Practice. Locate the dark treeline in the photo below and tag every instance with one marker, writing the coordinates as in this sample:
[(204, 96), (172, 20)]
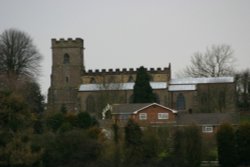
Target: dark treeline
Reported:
[(29, 139), (64, 139)]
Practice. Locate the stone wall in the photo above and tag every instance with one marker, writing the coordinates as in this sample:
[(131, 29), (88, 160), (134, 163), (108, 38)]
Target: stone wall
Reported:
[(209, 97), (123, 75)]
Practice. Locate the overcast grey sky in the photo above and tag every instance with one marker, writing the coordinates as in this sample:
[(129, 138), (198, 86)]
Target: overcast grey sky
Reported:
[(130, 33)]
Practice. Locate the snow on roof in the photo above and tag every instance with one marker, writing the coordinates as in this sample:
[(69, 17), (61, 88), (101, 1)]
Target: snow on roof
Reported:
[(118, 86), (158, 85), (181, 87), (183, 81)]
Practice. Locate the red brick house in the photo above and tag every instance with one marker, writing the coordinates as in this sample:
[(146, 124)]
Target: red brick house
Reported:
[(147, 114), (154, 115)]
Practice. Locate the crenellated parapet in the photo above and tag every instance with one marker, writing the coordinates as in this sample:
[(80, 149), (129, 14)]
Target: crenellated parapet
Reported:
[(118, 71), (64, 43)]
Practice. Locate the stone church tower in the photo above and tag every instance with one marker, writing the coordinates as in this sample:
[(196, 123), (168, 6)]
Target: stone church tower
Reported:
[(67, 67)]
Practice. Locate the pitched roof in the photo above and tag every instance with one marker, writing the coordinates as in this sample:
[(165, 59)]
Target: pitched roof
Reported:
[(207, 118), (127, 108), (189, 84), (134, 108)]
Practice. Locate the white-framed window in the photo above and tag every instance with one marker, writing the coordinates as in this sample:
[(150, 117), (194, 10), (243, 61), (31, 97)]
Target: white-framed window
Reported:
[(162, 115), (207, 129), (143, 116)]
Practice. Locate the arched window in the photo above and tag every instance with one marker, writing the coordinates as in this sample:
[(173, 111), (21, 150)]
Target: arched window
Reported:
[(180, 103), (90, 104), (66, 58)]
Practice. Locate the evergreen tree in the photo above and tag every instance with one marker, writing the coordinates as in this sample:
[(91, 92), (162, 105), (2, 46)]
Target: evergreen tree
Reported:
[(226, 146), (142, 92)]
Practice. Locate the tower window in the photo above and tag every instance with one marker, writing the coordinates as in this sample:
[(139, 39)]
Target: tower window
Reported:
[(66, 58), (67, 79)]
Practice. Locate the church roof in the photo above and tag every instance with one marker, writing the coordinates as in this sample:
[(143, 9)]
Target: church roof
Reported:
[(189, 84), (182, 81), (181, 84), (118, 86)]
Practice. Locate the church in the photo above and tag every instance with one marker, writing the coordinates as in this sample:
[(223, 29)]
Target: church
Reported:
[(79, 89)]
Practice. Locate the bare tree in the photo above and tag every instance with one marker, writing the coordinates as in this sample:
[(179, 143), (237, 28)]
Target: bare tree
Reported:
[(19, 58), (217, 61)]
